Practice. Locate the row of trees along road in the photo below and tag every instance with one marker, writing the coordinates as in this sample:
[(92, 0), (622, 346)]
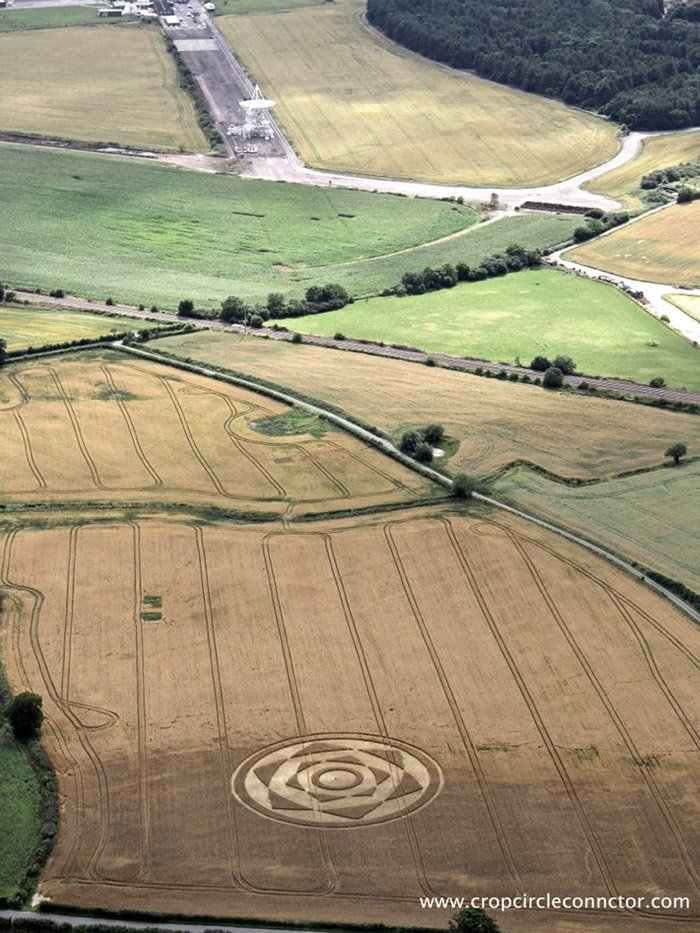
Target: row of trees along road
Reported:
[(632, 60)]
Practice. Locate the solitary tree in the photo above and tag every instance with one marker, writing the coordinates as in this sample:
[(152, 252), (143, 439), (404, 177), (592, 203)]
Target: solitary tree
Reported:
[(25, 715), (472, 920), (463, 486), (434, 433), (565, 364), (2, 291), (540, 364), (553, 378), (186, 307), (676, 451), (409, 441)]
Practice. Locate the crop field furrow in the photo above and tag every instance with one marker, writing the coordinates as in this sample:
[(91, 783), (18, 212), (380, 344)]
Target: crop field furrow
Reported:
[(612, 711), (234, 414), (82, 67), (490, 678), (657, 673), (373, 695), (467, 740), (353, 101), (330, 881), (76, 428), (157, 481), (599, 744), (96, 426), (216, 682), (595, 848)]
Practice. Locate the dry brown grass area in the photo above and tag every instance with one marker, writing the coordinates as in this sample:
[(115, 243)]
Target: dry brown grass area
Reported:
[(328, 722), (96, 428), (495, 422)]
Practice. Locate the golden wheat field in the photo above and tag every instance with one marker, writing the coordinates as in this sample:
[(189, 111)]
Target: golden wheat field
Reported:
[(330, 721), (662, 247), (351, 100), (96, 83), (688, 303), (100, 427), (658, 152), (494, 423)]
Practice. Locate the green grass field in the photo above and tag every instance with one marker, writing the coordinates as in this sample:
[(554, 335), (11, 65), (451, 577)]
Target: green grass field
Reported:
[(30, 326), (653, 518), (97, 84), (658, 152), (147, 233), (353, 101), (19, 817), (661, 247), (519, 316), (50, 18)]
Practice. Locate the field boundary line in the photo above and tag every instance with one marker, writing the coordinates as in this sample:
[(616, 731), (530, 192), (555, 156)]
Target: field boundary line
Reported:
[(467, 364)]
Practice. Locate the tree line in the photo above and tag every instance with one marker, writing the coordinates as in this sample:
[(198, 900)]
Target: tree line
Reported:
[(627, 59)]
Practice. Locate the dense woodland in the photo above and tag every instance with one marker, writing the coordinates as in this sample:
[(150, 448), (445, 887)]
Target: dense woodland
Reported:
[(624, 58)]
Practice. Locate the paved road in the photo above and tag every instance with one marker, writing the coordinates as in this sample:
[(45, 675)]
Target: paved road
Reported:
[(387, 447), (463, 364), (568, 192)]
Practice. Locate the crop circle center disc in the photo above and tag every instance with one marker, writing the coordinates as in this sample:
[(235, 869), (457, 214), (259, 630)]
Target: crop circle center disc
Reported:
[(337, 780)]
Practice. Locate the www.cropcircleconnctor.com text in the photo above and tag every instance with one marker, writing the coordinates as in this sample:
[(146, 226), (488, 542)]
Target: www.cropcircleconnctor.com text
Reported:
[(556, 902)]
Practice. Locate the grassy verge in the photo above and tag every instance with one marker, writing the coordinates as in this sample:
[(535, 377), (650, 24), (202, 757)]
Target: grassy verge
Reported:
[(28, 806), (651, 518), (51, 18), (494, 421), (32, 326), (662, 247), (657, 153)]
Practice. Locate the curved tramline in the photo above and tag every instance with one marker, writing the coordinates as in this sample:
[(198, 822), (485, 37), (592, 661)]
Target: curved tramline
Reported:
[(94, 428)]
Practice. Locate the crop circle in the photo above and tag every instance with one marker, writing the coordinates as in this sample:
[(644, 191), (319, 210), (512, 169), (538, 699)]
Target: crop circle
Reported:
[(337, 780)]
